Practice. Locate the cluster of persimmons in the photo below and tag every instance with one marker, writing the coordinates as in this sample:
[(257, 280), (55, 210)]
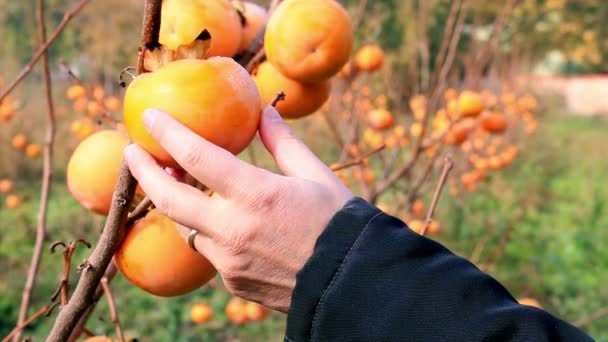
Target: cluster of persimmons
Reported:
[(21, 144), (194, 76)]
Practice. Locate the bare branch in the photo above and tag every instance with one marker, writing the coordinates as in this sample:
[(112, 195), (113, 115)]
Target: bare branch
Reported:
[(448, 164), (42, 50), (47, 175), (112, 307), (46, 310), (593, 317), (114, 230), (357, 161)]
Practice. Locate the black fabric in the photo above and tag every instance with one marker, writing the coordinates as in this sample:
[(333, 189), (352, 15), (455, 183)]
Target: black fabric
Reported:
[(371, 278)]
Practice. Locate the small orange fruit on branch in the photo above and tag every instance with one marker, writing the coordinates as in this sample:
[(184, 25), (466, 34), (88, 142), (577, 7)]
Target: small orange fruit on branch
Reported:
[(183, 20), (301, 98), (201, 313), (92, 170), (309, 40), (470, 103), (154, 257), (369, 58), (216, 98)]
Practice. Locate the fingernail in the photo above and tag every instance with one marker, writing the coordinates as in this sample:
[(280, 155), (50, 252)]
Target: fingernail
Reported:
[(128, 152), (150, 116), (272, 114)]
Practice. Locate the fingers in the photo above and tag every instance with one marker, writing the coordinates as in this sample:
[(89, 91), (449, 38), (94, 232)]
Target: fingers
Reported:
[(292, 156), (213, 166), (180, 202)]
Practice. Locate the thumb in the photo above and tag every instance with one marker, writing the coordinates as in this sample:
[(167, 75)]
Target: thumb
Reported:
[(292, 156)]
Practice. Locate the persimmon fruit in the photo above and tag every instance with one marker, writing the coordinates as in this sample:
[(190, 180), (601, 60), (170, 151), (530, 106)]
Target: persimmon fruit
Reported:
[(470, 103), (529, 302), (201, 313), (154, 257), (369, 58), (493, 122), (33, 151), (309, 40), (236, 310), (301, 99), (255, 17), (13, 201), (182, 21), (216, 98), (6, 186), (256, 312), (380, 119), (19, 141), (93, 168)]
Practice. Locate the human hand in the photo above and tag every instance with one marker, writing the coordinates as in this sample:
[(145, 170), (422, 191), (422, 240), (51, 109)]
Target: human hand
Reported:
[(260, 228)]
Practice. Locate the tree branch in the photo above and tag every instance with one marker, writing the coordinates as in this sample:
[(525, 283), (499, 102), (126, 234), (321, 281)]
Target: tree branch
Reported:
[(448, 164), (47, 175), (42, 50), (114, 229), (112, 307)]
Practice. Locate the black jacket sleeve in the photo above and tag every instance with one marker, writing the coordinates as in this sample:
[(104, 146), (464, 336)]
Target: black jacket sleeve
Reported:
[(372, 279)]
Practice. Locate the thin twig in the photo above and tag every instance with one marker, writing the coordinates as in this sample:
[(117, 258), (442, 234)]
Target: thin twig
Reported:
[(112, 307), (42, 50), (64, 285), (114, 229), (357, 161), (47, 175), (448, 163), (593, 317), (478, 249), (105, 112), (46, 310), (140, 210)]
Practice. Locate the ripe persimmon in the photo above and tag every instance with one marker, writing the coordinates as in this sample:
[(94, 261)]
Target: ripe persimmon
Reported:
[(13, 201), (380, 119), (301, 99), (530, 302), (417, 207), (216, 98), (201, 313), (182, 21), (493, 122), (6, 186), (235, 310), (470, 103), (369, 58), (416, 225), (255, 311), (75, 91), (255, 17), (112, 103), (7, 110), (33, 150), (93, 168), (457, 134), (309, 40), (19, 141), (143, 258)]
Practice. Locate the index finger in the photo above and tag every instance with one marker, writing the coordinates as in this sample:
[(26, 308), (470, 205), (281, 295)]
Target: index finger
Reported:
[(210, 164)]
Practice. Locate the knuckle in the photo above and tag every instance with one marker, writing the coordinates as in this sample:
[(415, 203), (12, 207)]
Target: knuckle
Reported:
[(163, 204), (236, 245), (266, 199), (191, 158)]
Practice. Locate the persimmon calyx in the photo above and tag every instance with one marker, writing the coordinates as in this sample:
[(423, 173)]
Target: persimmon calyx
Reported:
[(199, 49)]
